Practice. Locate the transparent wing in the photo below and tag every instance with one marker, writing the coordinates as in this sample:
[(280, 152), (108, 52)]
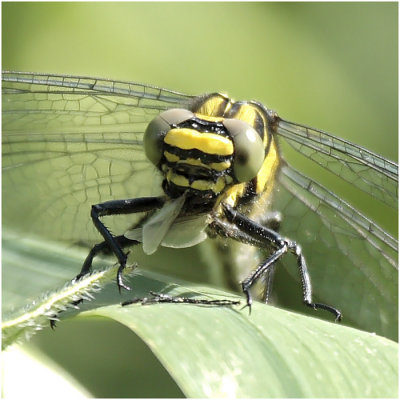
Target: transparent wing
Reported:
[(69, 142), (352, 261), (369, 172), (337, 214)]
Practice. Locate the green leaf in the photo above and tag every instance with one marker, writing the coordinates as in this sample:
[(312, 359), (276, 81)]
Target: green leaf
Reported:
[(225, 352)]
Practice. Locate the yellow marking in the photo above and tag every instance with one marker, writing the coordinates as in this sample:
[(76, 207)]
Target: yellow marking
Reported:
[(215, 166), (210, 143), (212, 107), (202, 184), (231, 196), (218, 187), (247, 113), (171, 157), (267, 173), (199, 184), (221, 166), (178, 180), (265, 182)]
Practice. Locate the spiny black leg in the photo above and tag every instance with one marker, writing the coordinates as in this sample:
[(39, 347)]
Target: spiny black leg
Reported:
[(231, 230), (87, 265), (103, 248), (132, 301), (165, 298), (99, 210), (306, 284), (111, 243), (269, 237), (259, 271), (263, 267), (228, 229)]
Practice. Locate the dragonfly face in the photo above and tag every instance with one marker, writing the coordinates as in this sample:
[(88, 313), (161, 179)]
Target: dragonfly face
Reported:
[(209, 155), (70, 142)]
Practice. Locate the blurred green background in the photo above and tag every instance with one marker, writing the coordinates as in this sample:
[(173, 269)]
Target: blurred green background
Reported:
[(329, 65)]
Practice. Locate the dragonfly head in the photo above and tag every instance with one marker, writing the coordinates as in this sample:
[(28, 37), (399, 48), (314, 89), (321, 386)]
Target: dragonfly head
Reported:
[(202, 154)]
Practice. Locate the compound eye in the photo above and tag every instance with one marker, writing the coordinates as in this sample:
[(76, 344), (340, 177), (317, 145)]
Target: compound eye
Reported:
[(157, 129), (249, 149)]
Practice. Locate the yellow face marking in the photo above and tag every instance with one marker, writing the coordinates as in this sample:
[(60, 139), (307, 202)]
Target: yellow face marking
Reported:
[(203, 185), (199, 184), (171, 157), (210, 143), (178, 180), (219, 185), (221, 166), (215, 166)]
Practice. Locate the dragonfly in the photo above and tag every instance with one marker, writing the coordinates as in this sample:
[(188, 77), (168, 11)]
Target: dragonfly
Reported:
[(76, 149)]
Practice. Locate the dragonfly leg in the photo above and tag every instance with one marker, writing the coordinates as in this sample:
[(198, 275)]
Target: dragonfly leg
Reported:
[(165, 298), (306, 283), (261, 269), (103, 247), (231, 230), (116, 243), (268, 237), (271, 220), (227, 229)]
